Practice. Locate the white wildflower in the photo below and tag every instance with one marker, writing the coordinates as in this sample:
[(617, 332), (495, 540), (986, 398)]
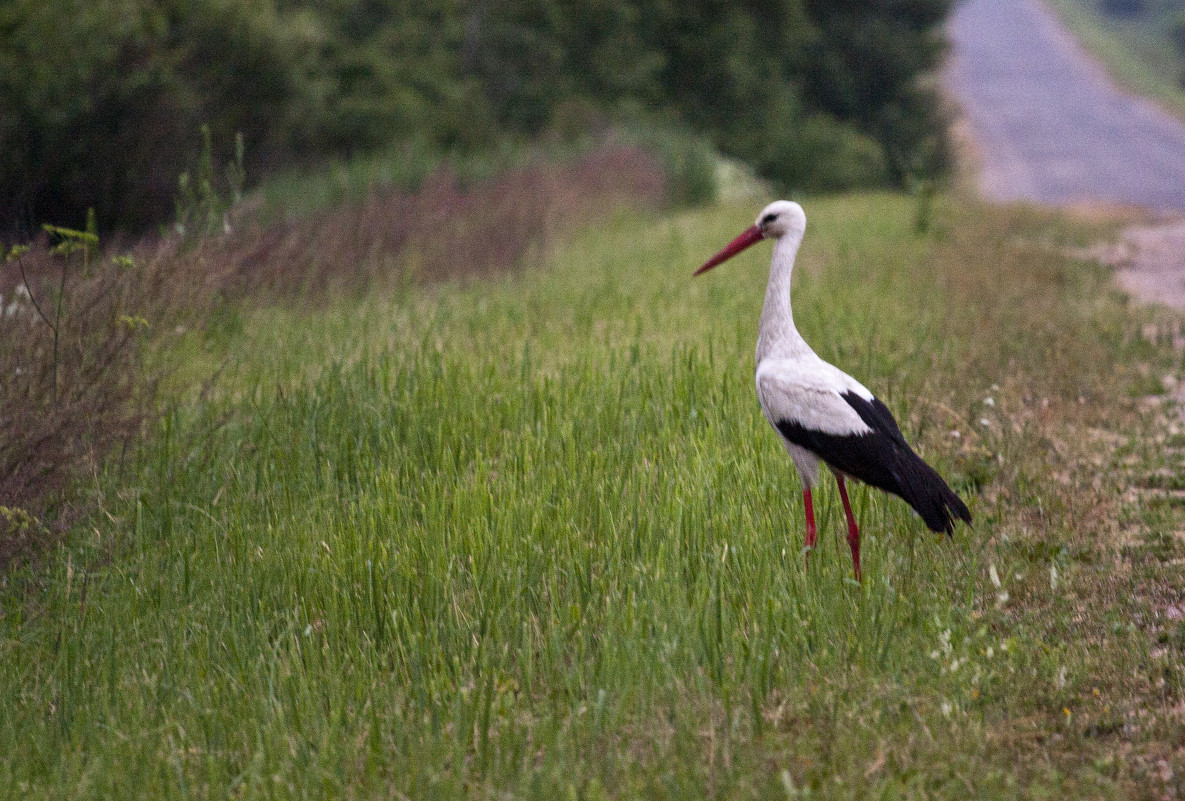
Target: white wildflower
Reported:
[(946, 709), (989, 401), (788, 785), (995, 577), (1061, 678), (1053, 577)]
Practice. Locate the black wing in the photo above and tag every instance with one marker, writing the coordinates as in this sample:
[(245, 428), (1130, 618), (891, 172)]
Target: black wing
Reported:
[(876, 416), (883, 459)]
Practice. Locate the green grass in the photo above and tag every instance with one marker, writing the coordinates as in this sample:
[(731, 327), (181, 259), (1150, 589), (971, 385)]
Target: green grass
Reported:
[(1136, 52), (532, 538)]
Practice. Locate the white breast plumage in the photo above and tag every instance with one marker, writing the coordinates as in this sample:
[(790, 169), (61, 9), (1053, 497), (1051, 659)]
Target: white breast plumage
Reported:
[(809, 392)]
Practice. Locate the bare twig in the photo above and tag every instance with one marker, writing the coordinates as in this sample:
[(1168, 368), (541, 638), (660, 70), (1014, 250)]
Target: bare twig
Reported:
[(58, 321), (29, 288)]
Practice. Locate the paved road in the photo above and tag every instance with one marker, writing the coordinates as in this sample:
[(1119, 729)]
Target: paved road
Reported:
[(1049, 125)]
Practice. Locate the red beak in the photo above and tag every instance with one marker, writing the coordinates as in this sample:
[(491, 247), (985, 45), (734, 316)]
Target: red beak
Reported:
[(749, 236)]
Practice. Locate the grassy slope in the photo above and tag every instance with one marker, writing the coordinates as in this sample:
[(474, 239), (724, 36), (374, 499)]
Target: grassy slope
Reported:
[(534, 537), (1136, 53)]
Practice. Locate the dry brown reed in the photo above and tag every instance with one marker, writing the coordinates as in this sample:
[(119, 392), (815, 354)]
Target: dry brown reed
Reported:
[(442, 231)]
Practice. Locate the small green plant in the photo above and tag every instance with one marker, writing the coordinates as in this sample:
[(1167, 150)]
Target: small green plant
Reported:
[(20, 522), (924, 192), (201, 209), (72, 388), (66, 242)]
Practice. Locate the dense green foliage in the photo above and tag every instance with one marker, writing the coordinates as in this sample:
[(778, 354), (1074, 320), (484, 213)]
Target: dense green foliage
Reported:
[(103, 101)]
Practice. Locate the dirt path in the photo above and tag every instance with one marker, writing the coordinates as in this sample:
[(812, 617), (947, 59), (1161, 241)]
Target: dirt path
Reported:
[(1149, 262), (1049, 126)]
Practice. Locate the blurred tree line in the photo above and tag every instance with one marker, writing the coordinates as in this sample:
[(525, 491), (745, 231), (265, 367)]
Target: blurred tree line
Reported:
[(102, 101)]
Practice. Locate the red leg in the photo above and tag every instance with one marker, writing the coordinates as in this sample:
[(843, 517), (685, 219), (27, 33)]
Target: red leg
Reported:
[(853, 529), (810, 520)]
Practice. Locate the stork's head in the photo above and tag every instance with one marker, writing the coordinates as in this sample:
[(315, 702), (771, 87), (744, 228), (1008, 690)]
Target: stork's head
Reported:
[(779, 219), (782, 218)]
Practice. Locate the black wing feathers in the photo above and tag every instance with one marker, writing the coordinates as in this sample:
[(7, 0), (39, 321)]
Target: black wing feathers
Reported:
[(876, 416), (873, 458), (883, 459)]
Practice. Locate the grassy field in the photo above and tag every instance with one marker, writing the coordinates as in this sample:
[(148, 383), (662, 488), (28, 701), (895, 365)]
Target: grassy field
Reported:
[(1136, 51), (532, 538)]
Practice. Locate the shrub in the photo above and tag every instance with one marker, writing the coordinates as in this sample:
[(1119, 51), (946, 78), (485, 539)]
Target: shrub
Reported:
[(687, 159), (69, 324), (826, 155)]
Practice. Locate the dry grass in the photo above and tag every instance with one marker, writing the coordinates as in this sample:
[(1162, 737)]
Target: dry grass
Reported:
[(440, 232)]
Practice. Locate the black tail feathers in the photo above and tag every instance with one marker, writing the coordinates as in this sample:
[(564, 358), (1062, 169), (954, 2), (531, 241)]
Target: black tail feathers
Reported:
[(934, 501)]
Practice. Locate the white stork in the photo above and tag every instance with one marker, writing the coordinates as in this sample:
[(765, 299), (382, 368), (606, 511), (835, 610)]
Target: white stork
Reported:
[(821, 412)]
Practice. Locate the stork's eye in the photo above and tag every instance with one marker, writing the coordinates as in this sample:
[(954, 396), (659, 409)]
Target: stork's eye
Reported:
[(767, 219)]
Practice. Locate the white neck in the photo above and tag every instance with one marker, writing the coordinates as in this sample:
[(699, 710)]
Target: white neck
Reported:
[(777, 337)]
